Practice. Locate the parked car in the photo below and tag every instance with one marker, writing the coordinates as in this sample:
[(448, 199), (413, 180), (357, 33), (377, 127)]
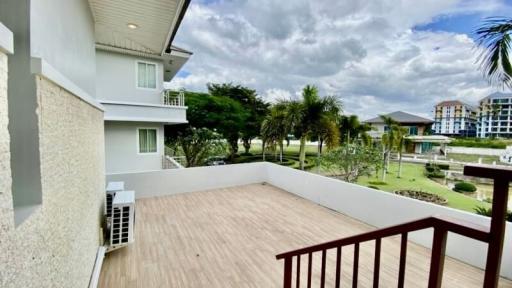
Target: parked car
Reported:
[(215, 161)]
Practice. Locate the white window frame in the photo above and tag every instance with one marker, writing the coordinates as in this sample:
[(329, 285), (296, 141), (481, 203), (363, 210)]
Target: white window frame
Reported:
[(138, 140), (137, 75)]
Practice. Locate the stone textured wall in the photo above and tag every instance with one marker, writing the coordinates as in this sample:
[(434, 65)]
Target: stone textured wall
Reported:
[(56, 246)]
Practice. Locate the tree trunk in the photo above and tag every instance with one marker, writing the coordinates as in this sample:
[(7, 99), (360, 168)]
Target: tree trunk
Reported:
[(302, 152), (384, 168), (247, 144), (263, 149), (400, 165), (281, 151)]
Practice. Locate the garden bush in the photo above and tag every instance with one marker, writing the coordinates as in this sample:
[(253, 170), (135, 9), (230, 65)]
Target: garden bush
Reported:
[(430, 168), (437, 166), (464, 187), (488, 212), (423, 196), (435, 174)]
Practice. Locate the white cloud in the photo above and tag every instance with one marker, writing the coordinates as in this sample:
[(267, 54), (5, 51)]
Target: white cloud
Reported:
[(365, 52)]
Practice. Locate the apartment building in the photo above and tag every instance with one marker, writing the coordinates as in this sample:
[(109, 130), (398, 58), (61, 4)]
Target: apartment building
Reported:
[(495, 116), (455, 118)]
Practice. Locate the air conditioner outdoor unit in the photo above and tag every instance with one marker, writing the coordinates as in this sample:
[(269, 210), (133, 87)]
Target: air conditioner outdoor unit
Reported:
[(112, 188), (122, 220)]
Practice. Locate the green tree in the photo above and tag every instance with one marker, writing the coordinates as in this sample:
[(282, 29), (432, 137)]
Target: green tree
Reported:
[(352, 161), (254, 107), (308, 115), (197, 144), (351, 128), (219, 113), (494, 39)]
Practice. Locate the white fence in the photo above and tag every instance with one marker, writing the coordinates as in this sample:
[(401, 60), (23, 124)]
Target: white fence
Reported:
[(474, 151), (373, 207)]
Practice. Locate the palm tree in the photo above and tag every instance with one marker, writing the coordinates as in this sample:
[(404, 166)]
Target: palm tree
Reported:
[(494, 38), (388, 142), (275, 128), (312, 115)]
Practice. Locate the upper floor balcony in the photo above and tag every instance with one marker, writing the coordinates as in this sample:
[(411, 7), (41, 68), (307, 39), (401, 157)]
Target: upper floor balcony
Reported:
[(171, 109)]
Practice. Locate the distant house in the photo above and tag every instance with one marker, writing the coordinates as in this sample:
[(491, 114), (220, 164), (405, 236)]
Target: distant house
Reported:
[(416, 125), (455, 118)]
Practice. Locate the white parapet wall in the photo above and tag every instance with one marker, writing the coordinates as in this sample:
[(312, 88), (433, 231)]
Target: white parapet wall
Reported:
[(174, 181), (376, 208)]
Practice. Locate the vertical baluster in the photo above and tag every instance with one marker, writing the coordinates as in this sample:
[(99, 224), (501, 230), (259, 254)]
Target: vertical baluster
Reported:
[(298, 271), (338, 267), (437, 259), (310, 267), (403, 258), (287, 281), (497, 232), (376, 264), (322, 273), (356, 265)]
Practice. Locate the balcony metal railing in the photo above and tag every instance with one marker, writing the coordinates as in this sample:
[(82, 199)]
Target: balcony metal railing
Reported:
[(173, 162), (493, 236), (173, 98)]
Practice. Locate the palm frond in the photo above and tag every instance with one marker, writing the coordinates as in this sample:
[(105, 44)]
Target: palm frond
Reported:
[(494, 62)]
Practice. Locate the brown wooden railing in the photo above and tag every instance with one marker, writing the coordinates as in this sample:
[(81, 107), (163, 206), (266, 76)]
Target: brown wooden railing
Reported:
[(441, 225)]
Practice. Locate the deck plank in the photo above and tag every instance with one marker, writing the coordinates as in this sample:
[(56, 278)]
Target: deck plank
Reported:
[(229, 238)]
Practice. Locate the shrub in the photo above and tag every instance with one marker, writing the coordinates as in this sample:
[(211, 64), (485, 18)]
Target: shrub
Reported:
[(435, 174), (377, 183), (423, 196), (488, 212), (437, 166), (373, 187), (464, 187), (430, 169)]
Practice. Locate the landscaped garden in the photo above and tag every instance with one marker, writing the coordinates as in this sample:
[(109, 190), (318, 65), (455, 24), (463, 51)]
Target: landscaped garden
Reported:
[(413, 178)]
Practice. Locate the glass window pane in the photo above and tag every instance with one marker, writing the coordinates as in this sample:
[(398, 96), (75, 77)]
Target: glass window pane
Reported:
[(143, 139), (141, 74), (152, 140), (151, 75)]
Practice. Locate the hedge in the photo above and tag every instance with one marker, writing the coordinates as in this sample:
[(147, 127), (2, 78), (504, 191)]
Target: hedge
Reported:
[(464, 187)]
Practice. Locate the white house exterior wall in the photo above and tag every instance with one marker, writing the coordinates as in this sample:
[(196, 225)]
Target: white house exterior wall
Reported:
[(116, 79), (121, 147)]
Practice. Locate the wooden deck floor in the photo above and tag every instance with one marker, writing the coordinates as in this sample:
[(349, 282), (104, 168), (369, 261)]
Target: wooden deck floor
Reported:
[(229, 238)]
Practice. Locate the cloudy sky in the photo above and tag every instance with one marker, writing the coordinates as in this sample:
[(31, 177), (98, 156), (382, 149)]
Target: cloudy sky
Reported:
[(378, 56)]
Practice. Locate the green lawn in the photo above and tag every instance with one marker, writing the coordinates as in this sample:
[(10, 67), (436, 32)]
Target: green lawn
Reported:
[(292, 149), (413, 178)]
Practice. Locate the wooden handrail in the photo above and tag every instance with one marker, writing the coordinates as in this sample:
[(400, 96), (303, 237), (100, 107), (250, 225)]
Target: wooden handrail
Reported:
[(457, 226), (442, 225)]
